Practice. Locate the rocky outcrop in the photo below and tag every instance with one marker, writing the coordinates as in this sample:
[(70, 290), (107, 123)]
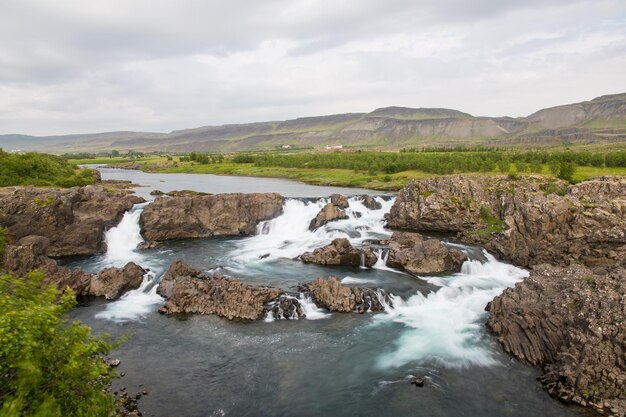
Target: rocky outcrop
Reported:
[(201, 216), (339, 201), (327, 214), (189, 291), (570, 321), (30, 255), (410, 251), (177, 269), (370, 202), (74, 220), (111, 283), (331, 294), (527, 221), (340, 252)]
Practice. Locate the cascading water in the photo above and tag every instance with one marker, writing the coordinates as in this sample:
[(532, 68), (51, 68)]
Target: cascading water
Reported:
[(123, 239), (288, 235), (445, 326), (122, 242), (310, 310)]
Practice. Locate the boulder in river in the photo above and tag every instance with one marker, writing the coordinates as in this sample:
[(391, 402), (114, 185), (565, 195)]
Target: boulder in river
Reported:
[(339, 201), (111, 283), (331, 294), (370, 202), (327, 214), (410, 251), (199, 216), (74, 220), (340, 252)]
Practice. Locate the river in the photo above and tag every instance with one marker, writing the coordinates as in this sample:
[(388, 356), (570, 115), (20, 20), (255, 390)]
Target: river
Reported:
[(328, 364)]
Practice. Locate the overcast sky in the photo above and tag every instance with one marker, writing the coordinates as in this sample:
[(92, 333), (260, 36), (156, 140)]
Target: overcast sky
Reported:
[(157, 65)]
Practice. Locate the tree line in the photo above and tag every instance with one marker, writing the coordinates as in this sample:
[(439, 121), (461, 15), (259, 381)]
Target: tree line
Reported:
[(438, 163)]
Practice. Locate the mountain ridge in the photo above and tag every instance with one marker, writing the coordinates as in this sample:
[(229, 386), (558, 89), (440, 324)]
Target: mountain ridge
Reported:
[(600, 120)]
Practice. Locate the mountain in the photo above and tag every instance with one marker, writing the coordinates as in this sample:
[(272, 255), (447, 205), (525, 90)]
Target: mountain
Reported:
[(600, 120)]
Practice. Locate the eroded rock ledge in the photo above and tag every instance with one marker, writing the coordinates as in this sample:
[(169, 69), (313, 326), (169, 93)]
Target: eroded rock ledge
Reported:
[(199, 216), (571, 322), (190, 291), (74, 220), (30, 255), (525, 221)]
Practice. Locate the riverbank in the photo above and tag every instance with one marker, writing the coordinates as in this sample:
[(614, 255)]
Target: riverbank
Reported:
[(373, 178)]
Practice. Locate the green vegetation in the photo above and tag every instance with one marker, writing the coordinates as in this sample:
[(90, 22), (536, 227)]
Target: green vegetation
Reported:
[(48, 366), (40, 170), (389, 170), (494, 224)]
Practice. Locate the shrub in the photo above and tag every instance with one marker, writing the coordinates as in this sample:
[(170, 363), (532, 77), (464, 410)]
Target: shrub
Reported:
[(48, 366)]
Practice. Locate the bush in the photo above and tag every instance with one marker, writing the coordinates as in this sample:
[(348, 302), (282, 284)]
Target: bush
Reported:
[(48, 366), (566, 171), (40, 170)]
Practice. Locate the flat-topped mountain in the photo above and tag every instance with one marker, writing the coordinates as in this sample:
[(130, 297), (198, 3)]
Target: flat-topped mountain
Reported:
[(600, 120)]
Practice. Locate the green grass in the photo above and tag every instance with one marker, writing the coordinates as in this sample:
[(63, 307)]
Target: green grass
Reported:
[(585, 173)]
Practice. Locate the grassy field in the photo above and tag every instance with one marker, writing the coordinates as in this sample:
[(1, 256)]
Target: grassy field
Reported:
[(375, 180)]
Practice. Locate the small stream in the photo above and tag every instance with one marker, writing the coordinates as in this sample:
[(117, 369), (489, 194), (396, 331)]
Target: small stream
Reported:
[(329, 364)]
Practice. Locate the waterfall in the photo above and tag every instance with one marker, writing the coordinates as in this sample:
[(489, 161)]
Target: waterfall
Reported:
[(288, 235), (381, 263), (310, 310), (446, 326), (122, 242)]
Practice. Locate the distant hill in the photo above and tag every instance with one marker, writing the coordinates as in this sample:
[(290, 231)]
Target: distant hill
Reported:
[(600, 120)]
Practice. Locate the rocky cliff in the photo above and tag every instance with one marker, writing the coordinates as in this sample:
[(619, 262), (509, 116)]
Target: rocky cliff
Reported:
[(186, 217), (525, 221), (569, 315), (74, 220)]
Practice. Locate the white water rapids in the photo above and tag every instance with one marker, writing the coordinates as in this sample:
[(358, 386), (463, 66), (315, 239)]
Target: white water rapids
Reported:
[(443, 326)]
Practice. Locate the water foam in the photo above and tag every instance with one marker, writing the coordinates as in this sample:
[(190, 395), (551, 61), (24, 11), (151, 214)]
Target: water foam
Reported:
[(288, 235), (122, 242), (446, 326)]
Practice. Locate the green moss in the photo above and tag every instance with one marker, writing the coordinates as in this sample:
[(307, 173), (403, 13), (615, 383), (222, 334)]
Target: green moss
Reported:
[(493, 224), (44, 202)]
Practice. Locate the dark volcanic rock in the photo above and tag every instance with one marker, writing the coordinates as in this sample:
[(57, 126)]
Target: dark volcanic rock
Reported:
[(415, 254), (522, 220), (200, 216), (340, 252), (331, 294), (177, 269), (339, 201), (74, 220), (371, 203), (327, 214), (29, 255), (286, 307), (111, 283), (570, 321), (229, 298)]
